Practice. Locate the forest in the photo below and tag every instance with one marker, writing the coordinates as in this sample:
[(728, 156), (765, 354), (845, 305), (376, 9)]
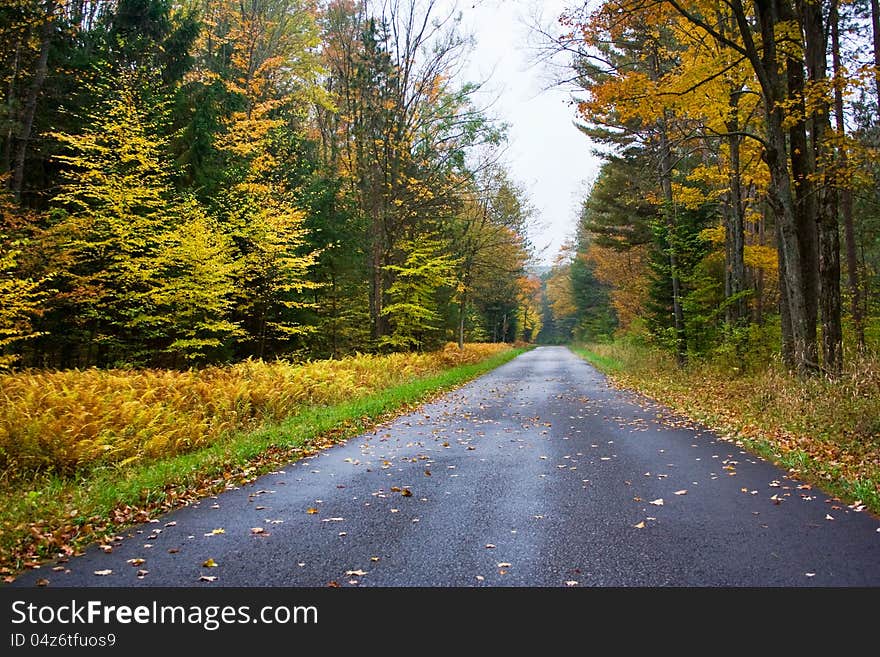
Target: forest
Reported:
[(735, 216), (200, 182), (234, 233)]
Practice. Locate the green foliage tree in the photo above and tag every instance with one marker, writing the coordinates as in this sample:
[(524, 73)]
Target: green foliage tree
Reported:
[(413, 309)]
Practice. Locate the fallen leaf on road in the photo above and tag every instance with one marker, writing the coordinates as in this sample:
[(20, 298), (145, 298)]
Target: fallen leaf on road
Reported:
[(571, 582), (810, 574), (828, 516), (136, 562), (358, 573), (406, 492), (504, 564), (42, 582), (210, 563), (374, 559), (395, 489), (257, 530), (681, 492), (640, 525), (214, 532), (333, 584), (171, 524), (142, 573), (490, 546), (480, 578), (102, 573), (173, 550), (208, 578), (657, 502), (311, 511)]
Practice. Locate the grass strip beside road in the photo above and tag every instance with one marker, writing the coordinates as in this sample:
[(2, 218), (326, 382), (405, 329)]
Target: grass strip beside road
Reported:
[(823, 431), (59, 515)]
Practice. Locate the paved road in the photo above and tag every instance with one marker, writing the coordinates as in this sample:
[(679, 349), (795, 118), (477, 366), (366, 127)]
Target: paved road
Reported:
[(537, 474)]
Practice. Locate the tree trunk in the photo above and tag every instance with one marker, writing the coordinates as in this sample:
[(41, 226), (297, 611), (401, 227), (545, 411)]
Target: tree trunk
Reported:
[(462, 308), (824, 189), (875, 31), (805, 210), (377, 281), (735, 268), (842, 178), (665, 174), (30, 106)]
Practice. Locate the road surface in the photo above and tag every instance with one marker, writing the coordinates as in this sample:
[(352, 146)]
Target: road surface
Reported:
[(536, 474)]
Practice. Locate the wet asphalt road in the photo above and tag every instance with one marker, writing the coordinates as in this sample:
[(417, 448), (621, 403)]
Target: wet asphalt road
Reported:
[(537, 474)]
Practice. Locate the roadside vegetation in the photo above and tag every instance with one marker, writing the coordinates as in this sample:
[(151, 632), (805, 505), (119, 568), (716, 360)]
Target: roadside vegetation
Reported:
[(825, 430), (86, 452)]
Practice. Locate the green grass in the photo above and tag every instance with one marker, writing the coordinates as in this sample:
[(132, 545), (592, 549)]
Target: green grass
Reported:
[(607, 364), (57, 515)]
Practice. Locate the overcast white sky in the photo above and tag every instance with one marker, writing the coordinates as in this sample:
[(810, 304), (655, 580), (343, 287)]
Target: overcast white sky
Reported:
[(547, 155)]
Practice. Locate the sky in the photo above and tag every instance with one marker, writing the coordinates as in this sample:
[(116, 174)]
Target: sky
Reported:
[(546, 154)]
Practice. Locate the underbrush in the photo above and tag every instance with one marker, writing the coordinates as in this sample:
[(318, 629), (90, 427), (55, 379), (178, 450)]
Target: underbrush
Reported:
[(824, 429)]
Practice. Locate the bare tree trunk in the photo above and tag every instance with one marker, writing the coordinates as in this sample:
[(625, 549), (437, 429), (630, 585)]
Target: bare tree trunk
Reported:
[(30, 106), (735, 268), (462, 308), (844, 191), (10, 111), (825, 191), (805, 215), (875, 30), (669, 213)]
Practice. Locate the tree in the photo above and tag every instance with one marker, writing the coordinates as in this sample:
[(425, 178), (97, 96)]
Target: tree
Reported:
[(413, 311), (194, 295), (115, 201)]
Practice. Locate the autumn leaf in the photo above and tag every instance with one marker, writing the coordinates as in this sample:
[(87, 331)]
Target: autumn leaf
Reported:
[(681, 492), (311, 511), (142, 573), (504, 564), (828, 516), (490, 546), (358, 573), (395, 489), (257, 530), (640, 525), (214, 532), (210, 563), (406, 492), (136, 562), (42, 582), (103, 573), (571, 582), (657, 502), (207, 578), (374, 559)]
